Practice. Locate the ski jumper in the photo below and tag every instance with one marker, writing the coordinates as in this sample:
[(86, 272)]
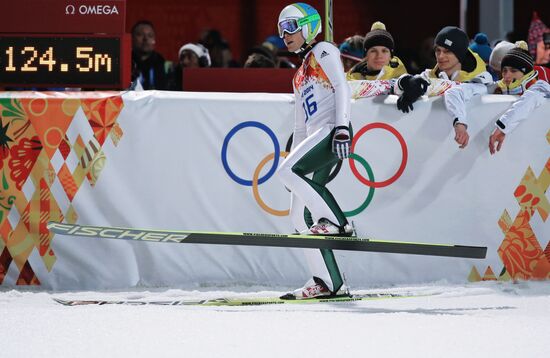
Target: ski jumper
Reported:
[(322, 103)]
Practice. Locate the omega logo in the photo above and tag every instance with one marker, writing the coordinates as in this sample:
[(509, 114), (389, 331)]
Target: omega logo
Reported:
[(92, 10)]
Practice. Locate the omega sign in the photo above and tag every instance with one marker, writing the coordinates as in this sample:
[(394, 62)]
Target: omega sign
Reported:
[(91, 10)]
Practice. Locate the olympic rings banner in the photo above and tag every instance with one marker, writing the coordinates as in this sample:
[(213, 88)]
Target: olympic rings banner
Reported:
[(207, 162)]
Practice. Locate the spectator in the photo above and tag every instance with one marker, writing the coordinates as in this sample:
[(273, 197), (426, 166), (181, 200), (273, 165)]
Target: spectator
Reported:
[(148, 66), (379, 62), (352, 51), (256, 60), (481, 46), (518, 78), (455, 62), (498, 53), (260, 56), (495, 59), (275, 44), (190, 55), (543, 51), (220, 53)]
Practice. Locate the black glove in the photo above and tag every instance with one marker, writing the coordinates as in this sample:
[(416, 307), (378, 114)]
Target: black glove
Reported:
[(413, 88)]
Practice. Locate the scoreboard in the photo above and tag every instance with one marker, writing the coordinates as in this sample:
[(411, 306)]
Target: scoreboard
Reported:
[(72, 44), (88, 61)]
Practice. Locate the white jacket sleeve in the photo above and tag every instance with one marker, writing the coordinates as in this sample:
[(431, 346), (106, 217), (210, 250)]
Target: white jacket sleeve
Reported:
[(457, 97), (524, 106), (332, 65), (300, 132)]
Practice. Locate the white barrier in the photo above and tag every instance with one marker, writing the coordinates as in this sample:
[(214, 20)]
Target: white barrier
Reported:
[(168, 172)]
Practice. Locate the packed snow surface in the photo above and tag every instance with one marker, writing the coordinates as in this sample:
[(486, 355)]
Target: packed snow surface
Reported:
[(487, 319)]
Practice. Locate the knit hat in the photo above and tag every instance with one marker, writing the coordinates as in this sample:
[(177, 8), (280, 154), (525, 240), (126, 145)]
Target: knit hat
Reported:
[(352, 48), (199, 50), (498, 53), (454, 39), (481, 46), (519, 58), (378, 36)]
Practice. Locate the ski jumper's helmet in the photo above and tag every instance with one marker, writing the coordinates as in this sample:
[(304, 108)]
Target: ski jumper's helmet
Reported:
[(300, 16)]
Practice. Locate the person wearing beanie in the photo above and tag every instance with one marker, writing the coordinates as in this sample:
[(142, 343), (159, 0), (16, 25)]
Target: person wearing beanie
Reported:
[(352, 51), (481, 46), (518, 77), (517, 70), (379, 62), (456, 63), (495, 59), (190, 55)]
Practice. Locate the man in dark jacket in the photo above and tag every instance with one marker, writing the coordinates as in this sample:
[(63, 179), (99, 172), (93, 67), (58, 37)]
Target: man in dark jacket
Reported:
[(148, 66)]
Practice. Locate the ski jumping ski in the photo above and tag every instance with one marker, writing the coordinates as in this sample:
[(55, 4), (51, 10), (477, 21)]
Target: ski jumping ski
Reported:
[(273, 240), (236, 301)]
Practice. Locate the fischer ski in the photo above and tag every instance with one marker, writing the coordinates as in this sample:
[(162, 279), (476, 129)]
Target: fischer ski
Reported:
[(225, 301), (274, 240)]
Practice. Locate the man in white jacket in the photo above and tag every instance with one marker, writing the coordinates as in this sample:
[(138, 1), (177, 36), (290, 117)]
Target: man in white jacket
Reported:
[(321, 138), (518, 78)]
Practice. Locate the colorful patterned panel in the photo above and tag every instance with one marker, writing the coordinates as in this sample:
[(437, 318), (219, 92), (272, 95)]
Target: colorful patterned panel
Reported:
[(530, 194), (520, 250), (33, 136), (102, 114)]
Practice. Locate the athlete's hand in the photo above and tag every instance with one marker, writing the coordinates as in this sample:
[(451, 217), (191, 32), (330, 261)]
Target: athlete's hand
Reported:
[(341, 142), (413, 88), (497, 138), (461, 135)]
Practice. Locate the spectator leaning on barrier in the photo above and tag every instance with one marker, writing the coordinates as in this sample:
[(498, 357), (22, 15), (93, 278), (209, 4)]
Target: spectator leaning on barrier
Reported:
[(498, 54), (518, 78), (379, 62), (148, 66), (352, 51), (190, 55), (455, 62)]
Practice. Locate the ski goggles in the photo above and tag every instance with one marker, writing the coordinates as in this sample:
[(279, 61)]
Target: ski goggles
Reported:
[(292, 26)]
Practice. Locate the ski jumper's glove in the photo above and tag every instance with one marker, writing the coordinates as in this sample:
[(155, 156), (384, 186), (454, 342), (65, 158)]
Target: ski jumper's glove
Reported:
[(413, 88), (341, 142)]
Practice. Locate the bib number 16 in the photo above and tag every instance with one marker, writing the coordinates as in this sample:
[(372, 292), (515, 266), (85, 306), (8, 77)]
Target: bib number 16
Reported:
[(310, 106)]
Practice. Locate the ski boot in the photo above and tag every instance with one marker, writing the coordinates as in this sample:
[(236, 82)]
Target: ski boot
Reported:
[(326, 227), (315, 288)]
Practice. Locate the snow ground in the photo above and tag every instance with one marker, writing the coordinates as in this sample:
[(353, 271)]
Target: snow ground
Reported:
[(487, 319)]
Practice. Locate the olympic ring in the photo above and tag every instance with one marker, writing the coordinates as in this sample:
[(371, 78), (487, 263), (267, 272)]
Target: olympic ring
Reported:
[(370, 195), (277, 154), (256, 192), (380, 184), (231, 133)]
